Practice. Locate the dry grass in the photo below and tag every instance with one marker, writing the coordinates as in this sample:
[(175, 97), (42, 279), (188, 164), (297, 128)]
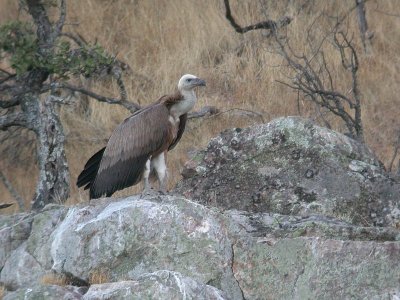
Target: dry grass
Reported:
[(54, 279), (98, 277), (163, 39), (2, 292)]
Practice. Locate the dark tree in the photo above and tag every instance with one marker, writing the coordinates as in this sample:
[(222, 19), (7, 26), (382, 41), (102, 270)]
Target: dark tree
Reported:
[(310, 75), (363, 25), (41, 60)]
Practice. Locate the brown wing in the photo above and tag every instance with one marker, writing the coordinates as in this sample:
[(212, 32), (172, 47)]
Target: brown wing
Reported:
[(181, 129), (170, 100), (129, 147)]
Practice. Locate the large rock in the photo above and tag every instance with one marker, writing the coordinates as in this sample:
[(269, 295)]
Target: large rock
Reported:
[(314, 258), (158, 285), (293, 167), (295, 240), (21, 269), (25, 246), (41, 237), (124, 239), (47, 292), (244, 255), (14, 230)]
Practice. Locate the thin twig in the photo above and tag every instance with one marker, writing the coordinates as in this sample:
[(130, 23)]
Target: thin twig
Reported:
[(395, 152), (269, 24), (9, 103), (247, 111), (60, 23), (12, 191), (76, 38), (205, 111), (387, 14), (6, 72), (13, 119), (5, 205)]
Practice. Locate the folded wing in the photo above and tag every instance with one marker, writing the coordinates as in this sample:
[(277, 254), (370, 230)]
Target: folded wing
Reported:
[(133, 142)]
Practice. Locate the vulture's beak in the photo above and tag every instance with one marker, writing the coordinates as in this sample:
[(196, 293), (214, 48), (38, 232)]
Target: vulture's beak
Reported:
[(199, 82)]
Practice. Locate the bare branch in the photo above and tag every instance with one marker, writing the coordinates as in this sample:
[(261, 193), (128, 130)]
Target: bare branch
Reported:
[(395, 152), (5, 205), (76, 38), (12, 191), (6, 72), (9, 103), (387, 14), (247, 112), (132, 107), (313, 79), (269, 24), (44, 29), (205, 111), (8, 77), (362, 24), (60, 23), (117, 74), (13, 119)]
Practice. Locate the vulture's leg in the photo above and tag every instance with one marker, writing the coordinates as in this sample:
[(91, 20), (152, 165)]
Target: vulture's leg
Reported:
[(146, 175), (161, 169)]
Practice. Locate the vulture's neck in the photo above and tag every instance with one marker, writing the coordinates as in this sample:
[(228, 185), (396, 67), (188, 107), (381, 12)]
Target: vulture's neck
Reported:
[(184, 105)]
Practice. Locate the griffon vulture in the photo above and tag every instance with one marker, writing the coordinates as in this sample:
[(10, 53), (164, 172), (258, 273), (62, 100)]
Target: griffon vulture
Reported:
[(140, 143)]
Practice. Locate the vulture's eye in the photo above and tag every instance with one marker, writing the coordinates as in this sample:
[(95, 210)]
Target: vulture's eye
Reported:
[(189, 80)]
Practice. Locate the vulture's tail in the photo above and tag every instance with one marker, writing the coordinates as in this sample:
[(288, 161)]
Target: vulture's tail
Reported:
[(87, 176)]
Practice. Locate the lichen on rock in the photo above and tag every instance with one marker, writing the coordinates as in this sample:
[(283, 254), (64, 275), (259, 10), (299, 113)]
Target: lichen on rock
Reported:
[(287, 209)]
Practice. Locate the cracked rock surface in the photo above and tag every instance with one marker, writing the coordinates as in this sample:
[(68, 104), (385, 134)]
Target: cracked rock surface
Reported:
[(175, 247), (291, 166), (171, 244)]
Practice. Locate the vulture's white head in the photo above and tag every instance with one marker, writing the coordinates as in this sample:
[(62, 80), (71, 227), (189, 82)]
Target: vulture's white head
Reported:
[(186, 86), (188, 82)]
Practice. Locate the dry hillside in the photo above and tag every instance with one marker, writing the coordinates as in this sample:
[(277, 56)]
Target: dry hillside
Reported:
[(163, 39)]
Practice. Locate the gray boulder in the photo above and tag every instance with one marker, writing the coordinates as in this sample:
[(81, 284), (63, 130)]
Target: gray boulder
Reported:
[(21, 269), (25, 247), (293, 167), (158, 285), (288, 257), (282, 244), (127, 238), (244, 255), (46, 292), (14, 230)]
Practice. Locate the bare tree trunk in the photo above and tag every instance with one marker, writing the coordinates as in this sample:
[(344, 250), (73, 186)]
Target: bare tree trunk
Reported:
[(53, 182), (363, 25)]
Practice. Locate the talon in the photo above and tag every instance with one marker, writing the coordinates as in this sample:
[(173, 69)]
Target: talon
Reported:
[(163, 192), (147, 192)]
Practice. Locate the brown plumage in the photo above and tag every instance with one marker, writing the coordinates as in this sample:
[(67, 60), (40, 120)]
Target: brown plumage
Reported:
[(144, 136)]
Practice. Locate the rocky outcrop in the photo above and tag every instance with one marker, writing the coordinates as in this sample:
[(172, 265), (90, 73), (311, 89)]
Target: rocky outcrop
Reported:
[(158, 285), (225, 255), (127, 238), (48, 292), (171, 247), (293, 167), (14, 230)]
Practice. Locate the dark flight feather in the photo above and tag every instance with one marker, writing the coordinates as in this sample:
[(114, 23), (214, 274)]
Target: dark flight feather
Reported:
[(90, 170)]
